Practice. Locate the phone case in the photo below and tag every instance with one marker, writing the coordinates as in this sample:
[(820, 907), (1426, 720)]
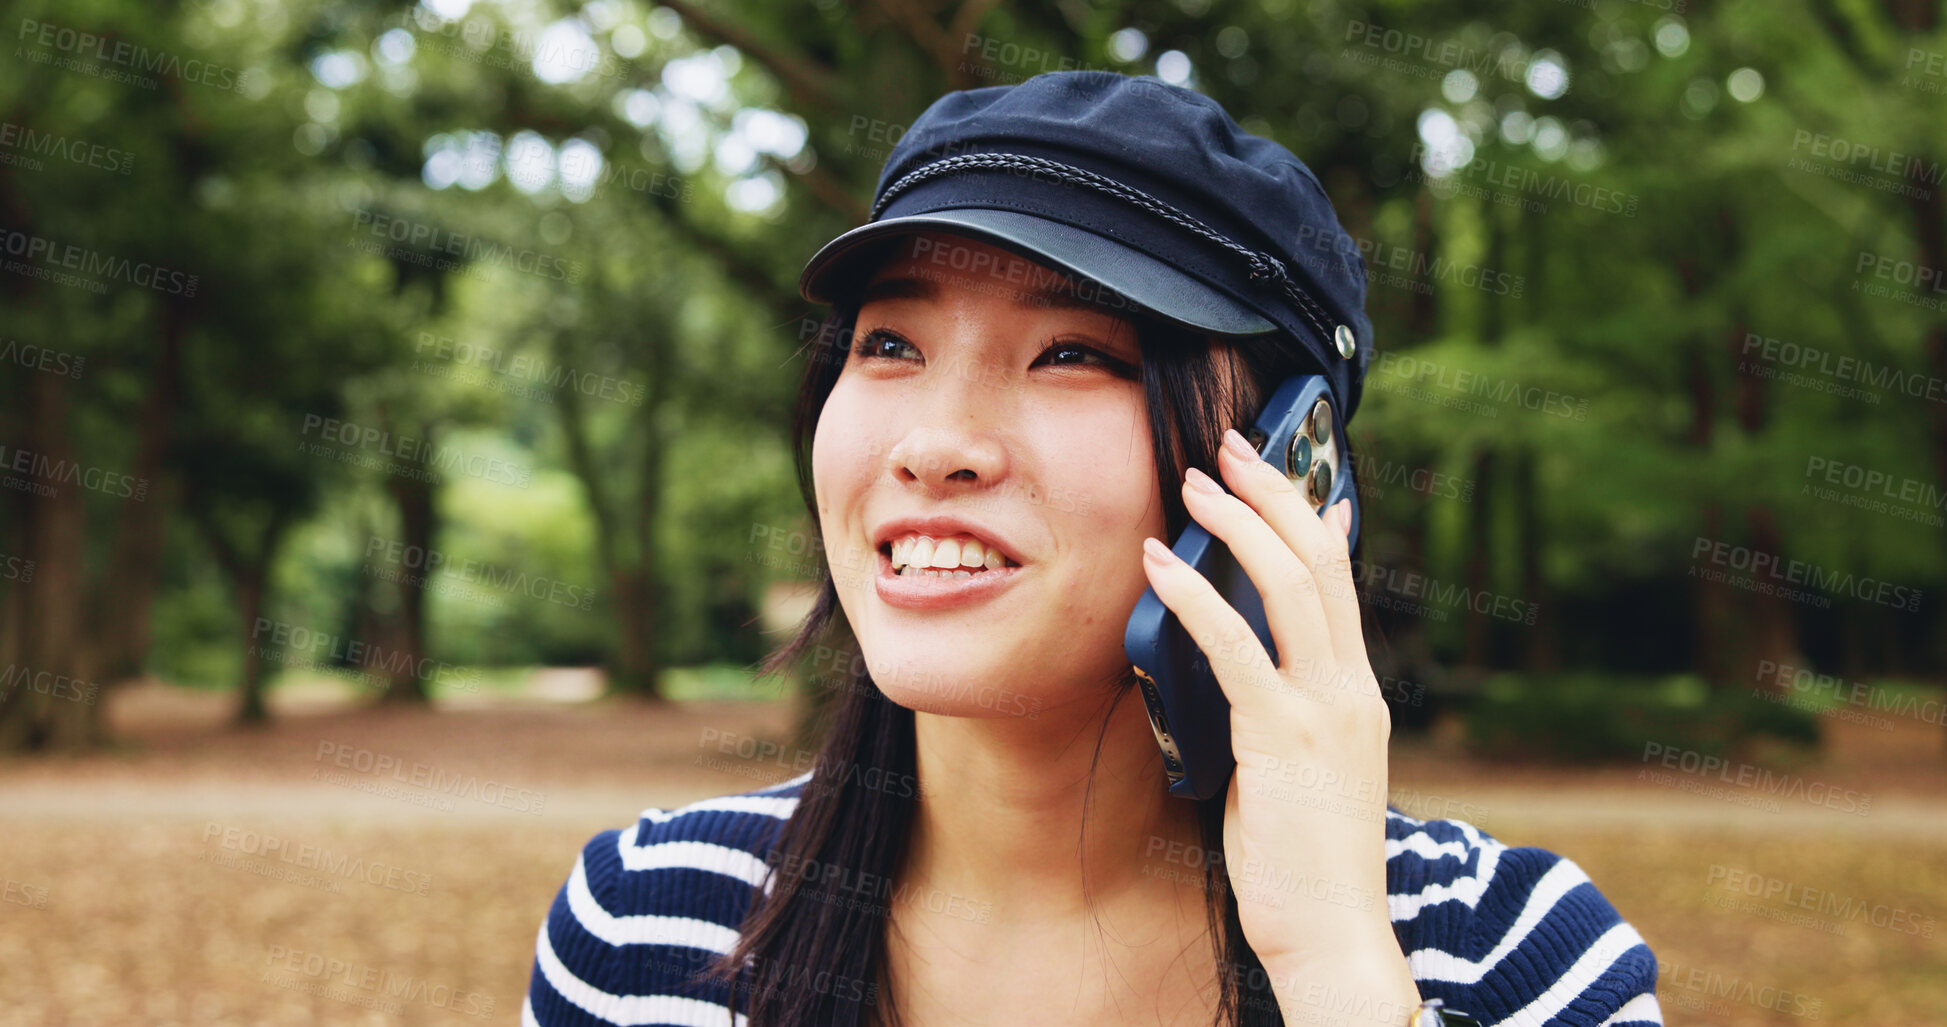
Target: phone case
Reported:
[(1186, 705)]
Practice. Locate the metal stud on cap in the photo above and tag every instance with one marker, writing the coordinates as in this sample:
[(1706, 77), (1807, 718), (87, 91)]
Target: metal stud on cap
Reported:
[(1347, 344)]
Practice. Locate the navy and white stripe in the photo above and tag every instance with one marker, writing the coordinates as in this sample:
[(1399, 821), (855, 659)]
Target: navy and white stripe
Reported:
[(1516, 936)]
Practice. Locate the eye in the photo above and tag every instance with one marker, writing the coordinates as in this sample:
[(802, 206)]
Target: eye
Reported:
[(1074, 354), (882, 342)]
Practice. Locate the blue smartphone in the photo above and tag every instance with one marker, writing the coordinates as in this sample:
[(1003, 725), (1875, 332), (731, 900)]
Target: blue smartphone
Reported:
[(1298, 433)]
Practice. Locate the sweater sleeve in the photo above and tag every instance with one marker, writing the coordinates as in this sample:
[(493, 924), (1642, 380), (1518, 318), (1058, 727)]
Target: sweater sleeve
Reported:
[(646, 909), (615, 949), (1514, 936)]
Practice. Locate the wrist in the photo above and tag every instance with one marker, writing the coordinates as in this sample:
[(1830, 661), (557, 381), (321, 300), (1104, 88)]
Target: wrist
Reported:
[(1345, 990)]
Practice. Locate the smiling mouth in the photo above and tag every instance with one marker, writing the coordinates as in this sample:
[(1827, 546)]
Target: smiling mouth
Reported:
[(923, 556), (908, 586)]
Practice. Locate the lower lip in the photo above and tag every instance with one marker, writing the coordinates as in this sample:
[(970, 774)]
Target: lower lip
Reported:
[(925, 592)]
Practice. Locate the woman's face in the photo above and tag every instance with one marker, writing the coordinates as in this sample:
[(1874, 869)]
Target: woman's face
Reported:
[(982, 402)]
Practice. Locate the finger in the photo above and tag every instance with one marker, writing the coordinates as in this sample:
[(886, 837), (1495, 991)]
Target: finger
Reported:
[(1319, 542), (1290, 593), (1242, 666)]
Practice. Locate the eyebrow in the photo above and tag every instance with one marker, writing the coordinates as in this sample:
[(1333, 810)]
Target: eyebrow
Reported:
[(916, 286)]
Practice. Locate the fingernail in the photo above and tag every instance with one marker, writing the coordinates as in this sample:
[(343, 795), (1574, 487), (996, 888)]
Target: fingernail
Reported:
[(1238, 445), (1157, 551), (1343, 511), (1201, 482)]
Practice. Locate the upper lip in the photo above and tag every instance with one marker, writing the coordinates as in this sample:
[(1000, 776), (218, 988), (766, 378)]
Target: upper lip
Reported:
[(940, 526)]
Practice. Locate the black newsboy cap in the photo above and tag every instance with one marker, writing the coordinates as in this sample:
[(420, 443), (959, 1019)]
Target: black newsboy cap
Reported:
[(1147, 188)]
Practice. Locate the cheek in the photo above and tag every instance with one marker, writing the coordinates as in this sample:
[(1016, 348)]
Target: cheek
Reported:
[(1107, 491), (1115, 473), (841, 453)]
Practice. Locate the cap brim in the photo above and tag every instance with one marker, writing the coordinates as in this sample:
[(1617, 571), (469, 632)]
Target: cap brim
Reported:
[(1132, 273)]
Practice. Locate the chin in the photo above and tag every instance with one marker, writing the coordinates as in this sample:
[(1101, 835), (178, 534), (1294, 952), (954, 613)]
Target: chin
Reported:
[(940, 683)]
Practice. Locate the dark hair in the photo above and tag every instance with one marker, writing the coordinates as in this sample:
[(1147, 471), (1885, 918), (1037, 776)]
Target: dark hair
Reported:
[(811, 959)]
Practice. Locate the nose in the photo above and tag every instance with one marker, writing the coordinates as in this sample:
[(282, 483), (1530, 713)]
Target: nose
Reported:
[(953, 436), (947, 458)]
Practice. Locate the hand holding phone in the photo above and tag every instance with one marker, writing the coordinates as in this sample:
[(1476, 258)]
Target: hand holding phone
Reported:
[(1298, 433)]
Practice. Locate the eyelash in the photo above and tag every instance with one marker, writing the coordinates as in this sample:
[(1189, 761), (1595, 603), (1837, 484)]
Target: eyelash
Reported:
[(864, 348)]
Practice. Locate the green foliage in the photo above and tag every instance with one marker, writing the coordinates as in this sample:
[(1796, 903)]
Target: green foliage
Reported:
[(681, 305), (1595, 717), (717, 681), (519, 583), (199, 642)]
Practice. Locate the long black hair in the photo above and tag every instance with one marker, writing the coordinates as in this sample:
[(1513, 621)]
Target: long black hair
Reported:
[(813, 955)]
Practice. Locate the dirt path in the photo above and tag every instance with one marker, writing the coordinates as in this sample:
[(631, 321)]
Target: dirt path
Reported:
[(488, 763), (140, 885), (1499, 811)]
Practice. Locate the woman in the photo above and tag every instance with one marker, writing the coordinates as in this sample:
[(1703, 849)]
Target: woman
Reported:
[(1069, 290)]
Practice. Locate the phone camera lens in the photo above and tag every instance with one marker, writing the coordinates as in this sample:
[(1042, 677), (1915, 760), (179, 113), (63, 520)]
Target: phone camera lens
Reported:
[(1321, 483), (1321, 422), (1298, 458)]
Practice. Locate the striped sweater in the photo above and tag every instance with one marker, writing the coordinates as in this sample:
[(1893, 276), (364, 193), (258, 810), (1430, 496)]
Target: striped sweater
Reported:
[(1515, 936)]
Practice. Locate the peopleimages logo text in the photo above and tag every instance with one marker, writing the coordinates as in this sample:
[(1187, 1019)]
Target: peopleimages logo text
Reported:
[(1759, 779), (1798, 572), (128, 55), (426, 775), (55, 146), (471, 250), (415, 451), (38, 250)]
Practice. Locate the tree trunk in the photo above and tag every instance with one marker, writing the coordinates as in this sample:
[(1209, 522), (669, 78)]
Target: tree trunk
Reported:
[(249, 587), (1714, 621), (1930, 230), (1773, 621), (640, 615), (46, 622), (635, 670), (129, 596), (414, 494), (1480, 542), (20, 516), (1719, 628), (247, 567), (1543, 650), (635, 667)]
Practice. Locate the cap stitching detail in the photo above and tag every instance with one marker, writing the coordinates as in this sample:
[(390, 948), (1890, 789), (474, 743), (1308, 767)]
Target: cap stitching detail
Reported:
[(1262, 266)]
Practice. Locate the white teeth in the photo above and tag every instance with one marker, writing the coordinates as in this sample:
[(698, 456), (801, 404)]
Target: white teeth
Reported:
[(942, 557), (933, 572)]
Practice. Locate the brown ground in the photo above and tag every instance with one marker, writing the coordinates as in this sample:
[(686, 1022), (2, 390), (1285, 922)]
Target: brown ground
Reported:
[(136, 889)]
